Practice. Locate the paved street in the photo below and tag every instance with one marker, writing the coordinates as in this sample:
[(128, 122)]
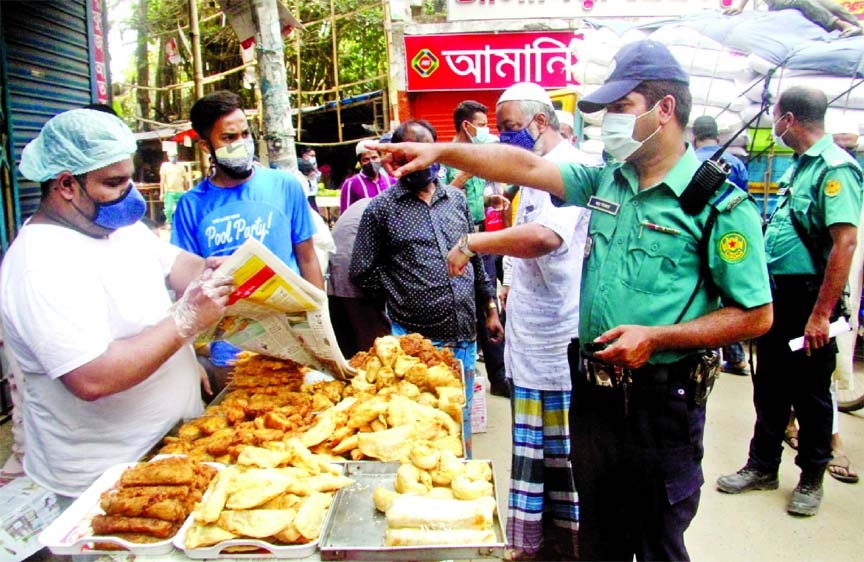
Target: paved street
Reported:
[(752, 526)]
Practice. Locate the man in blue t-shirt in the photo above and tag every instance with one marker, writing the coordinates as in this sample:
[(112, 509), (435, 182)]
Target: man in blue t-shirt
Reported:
[(239, 201)]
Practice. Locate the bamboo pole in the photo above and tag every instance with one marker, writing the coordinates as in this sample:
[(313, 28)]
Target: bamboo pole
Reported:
[(392, 94), (336, 68), (195, 32)]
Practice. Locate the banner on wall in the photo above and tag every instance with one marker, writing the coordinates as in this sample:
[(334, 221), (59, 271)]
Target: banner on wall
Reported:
[(99, 59), (490, 61), (854, 6)]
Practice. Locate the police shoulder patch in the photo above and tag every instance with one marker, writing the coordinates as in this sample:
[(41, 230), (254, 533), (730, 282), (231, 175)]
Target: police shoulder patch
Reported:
[(732, 247), (833, 187)]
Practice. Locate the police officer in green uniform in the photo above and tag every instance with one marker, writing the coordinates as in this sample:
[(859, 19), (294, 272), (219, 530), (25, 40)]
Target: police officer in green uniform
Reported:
[(810, 240), (651, 295)]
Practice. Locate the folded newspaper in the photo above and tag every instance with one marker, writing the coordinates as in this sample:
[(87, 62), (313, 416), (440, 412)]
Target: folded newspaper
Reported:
[(274, 311)]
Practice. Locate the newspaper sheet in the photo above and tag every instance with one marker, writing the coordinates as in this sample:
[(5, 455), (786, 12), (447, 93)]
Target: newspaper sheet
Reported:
[(274, 311)]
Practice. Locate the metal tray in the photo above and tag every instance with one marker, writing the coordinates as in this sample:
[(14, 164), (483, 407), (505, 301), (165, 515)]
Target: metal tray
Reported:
[(355, 529)]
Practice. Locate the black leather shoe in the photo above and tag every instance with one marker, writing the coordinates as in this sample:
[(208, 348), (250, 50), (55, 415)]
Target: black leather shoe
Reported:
[(500, 388), (807, 495), (746, 479)]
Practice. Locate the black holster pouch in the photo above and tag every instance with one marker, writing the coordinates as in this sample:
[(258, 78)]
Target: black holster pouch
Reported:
[(574, 359), (703, 376)]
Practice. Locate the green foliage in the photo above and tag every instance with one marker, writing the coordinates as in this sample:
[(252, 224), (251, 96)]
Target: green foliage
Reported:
[(360, 48)]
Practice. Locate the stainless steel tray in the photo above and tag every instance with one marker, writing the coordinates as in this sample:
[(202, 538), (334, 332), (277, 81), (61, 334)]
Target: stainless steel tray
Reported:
[(355, 529)]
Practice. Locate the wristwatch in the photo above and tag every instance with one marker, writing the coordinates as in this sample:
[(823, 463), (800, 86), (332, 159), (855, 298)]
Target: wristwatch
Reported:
[(463, 246)]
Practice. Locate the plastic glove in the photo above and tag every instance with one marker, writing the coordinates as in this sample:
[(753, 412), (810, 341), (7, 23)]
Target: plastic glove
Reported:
[(202, 304)]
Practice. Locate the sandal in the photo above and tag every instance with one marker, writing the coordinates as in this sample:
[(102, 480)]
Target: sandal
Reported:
[(791, 438), (841, 469)]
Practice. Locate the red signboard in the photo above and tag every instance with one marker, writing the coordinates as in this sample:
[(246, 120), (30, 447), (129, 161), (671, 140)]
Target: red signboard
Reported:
[(490, 61)]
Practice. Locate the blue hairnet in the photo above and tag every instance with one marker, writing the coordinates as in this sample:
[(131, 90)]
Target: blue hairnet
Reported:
[(78, 141)]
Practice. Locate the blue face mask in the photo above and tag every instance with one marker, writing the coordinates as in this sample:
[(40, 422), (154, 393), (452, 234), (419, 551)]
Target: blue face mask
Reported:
[(123, 211), (521, 138), (421, 178)]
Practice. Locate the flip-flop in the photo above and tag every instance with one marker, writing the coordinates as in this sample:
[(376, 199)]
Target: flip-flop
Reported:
[(841, 469), (791, 438), (851, 32)]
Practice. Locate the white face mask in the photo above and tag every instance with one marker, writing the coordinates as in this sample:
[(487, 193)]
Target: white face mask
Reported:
[(616, 132), (481, 135), (778, 139)]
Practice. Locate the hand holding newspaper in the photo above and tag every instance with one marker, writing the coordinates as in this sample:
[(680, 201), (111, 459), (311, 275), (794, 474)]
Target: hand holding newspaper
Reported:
[(275, 312), (837, 327)]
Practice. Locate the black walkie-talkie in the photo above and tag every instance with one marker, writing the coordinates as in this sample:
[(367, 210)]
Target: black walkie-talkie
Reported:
[(710, 176)]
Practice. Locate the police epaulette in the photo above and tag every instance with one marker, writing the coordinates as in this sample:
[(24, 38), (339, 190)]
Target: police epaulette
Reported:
[(839, 158), (728, 198)]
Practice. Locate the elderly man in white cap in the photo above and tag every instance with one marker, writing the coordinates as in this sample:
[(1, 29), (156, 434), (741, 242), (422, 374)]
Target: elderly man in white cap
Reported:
[(368, 182), (567, 125), (542, 269), (106, 358)]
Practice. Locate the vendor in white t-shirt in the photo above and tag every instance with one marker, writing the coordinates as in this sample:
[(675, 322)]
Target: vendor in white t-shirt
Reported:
[(107, 362)]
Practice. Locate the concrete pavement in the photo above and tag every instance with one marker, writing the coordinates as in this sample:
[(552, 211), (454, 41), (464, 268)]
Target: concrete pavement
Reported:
[(751, 526)]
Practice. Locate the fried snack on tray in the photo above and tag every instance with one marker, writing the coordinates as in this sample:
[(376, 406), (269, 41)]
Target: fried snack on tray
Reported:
[(405, 389), (282, 504), (111, 524), (167, 509), (253, 370), (170, 471), (151, 500)]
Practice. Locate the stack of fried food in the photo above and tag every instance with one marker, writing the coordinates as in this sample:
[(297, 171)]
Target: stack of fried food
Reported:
[(151, 500), (277, 495), (404, 390), (438, 499)]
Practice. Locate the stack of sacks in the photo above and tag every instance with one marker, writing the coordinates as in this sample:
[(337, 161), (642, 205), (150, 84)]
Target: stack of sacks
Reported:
[(848, 107), (718, 75), (728, 64)]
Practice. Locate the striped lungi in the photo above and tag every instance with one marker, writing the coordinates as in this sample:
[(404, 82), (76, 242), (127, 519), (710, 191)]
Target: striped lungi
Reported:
[(541, 482)]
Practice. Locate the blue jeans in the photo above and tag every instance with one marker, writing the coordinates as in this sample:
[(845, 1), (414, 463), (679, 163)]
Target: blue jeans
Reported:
[(466, 352), (733, 353)]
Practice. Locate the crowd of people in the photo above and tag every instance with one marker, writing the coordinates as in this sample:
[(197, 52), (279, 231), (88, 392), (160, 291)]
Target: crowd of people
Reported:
[(620, 279)]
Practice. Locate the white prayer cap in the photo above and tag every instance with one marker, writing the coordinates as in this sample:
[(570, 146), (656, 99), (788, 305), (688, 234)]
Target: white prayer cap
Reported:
[(362, 147), (565, 118), (77, 141), (526, 91)]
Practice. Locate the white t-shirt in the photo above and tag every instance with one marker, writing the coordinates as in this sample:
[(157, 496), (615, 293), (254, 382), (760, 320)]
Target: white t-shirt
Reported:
[(65, 296), (543, 303)]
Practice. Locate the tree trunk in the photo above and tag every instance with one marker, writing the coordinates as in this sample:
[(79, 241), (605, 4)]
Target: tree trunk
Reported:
[(279, 132), (161, 80), (143, 66)]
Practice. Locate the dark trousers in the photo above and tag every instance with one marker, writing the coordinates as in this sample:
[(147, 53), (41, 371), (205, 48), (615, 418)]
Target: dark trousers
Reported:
[(493, 353), (785, 379), (356, 323), (636, 464)]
